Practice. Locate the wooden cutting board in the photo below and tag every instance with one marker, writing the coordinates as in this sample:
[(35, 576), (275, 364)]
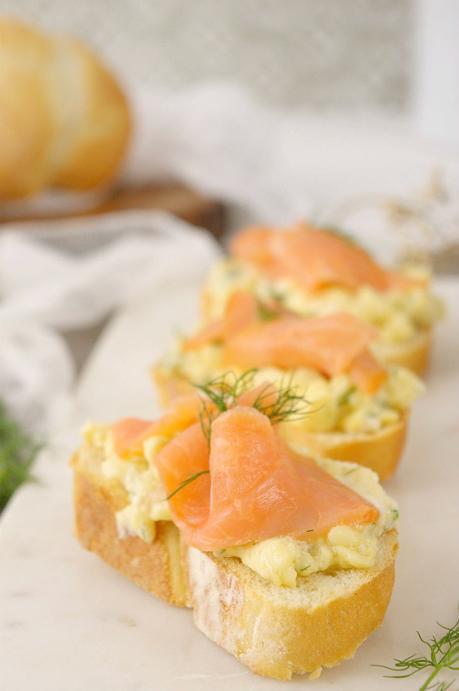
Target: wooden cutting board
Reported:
[(174, 197)]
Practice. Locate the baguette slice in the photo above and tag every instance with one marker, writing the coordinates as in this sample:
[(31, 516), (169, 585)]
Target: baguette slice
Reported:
[(414, 354), (275, 631), (380, 451), (278, 632), (158, 567)]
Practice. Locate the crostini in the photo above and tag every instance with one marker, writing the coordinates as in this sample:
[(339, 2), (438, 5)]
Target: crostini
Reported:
[(358, 407), (287, 562), (320, 272)]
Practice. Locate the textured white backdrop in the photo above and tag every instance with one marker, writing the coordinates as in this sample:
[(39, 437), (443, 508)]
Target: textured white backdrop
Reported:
[(328, 54)]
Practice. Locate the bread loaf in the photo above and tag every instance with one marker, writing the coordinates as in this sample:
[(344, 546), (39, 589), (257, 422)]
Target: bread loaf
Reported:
[(64, 120)]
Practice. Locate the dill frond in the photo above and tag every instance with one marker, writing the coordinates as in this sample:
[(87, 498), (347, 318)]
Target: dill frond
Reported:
[(443, 654), (187, 482), (224, 390), (266, 313), (283, 404), (17, 453)]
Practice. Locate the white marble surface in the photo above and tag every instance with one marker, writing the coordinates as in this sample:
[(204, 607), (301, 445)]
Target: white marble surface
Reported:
[(70, 623)]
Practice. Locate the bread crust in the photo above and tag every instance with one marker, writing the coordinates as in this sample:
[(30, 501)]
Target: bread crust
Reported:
[(158, 567), (278, 636), (100, 135), (380, 451), (414, 355)]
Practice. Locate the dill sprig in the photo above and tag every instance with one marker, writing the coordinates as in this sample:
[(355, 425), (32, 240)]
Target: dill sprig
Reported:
[(266, 312), (187, 482), (17, 452), (224, 390), (443, 654), (280, 404), (283, 404), (206, 417)]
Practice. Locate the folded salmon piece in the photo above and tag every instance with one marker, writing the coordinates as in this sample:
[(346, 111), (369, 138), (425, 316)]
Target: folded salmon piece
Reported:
[(314, 258), (332, 345), (249, 485), (129, 434)]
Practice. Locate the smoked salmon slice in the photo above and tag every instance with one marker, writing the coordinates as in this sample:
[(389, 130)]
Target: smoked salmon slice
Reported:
[(332, 345), (367, 373), (314, 258), (327, 344), (255, 488), (241, 310), (129, 434)]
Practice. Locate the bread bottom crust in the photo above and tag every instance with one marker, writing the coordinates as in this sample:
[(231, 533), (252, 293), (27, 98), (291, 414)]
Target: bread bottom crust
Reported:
[(380, 451), (158, 567), (414, 356), (276, 634)]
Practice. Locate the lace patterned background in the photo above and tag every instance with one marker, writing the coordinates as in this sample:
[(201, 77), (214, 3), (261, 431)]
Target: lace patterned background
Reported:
[(328, 54)]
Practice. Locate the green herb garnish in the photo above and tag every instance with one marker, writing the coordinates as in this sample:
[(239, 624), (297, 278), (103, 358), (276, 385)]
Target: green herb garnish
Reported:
[(187, 482), (224, 390), (305, 568), (266, 313), (280, 404), (351, 470), (345, 397), (443, 654), (17, 452)]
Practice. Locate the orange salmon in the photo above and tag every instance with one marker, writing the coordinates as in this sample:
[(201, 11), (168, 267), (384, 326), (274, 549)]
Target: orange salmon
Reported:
[(314, 258), (256, 487)]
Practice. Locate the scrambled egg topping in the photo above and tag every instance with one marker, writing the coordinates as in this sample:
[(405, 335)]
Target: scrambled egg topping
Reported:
[(139, 478), (399, 315), (283, 560), (280, 560), (336, 405)]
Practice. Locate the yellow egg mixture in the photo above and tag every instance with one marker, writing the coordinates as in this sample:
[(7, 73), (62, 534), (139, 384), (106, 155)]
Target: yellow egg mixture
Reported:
[(399, 315), (336, 404), (280, 560)]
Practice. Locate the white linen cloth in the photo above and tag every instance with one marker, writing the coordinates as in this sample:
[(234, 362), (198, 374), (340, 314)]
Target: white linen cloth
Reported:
[(44, 290)]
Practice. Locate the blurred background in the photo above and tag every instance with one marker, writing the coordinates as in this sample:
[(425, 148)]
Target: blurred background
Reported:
[(386, 56), (219, 114), (329, 55)]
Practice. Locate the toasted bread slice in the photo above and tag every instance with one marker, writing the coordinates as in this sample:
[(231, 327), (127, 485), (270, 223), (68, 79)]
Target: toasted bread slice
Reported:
[(414, 354), (380, 451), (158, 567), (278, 632), (275, 631)]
